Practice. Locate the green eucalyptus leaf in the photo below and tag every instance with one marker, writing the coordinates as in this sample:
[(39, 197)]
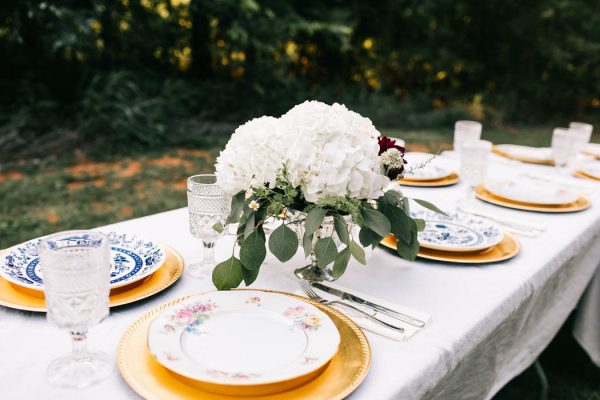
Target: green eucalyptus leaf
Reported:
[(408, 251), (283, 243), (341, 262), (218, 227), (357, 252), (307, 244), (400, 222), (237, 203), (253, 251), (228, 274), (250, 275), (429, 206), (420, 224), (249, 227), (325, 251), (314, 219), (396, 194), (368, 238), (341, 228), (376, 221)]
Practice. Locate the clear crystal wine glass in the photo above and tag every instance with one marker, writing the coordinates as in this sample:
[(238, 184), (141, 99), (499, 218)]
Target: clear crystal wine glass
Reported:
[(474, 161), (466, 131), (76, 273), (564, 148), (208, 205)]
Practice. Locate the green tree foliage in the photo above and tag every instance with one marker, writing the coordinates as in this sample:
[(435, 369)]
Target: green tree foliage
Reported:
[(129, 68)]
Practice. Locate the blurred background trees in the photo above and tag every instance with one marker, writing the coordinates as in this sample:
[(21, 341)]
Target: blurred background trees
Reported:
[(150, 72)]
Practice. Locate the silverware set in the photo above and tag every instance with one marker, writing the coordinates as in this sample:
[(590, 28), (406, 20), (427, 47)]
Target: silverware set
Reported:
[(359, 305)]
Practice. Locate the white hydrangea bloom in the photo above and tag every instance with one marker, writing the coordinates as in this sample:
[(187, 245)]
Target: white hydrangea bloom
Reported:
[(332, 151), (253, 156)]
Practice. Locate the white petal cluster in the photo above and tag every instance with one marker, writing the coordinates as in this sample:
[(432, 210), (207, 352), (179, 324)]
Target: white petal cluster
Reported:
[(253, 156), (328, 151)]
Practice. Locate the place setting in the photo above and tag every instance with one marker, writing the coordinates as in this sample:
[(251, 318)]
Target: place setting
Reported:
[(531, 195), (462, 238), (140, 268), (427, 170)]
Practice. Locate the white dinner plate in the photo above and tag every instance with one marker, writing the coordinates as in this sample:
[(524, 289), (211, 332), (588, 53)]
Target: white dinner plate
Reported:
[(425, 167), (591, 168), (457, 232), (132, 259), (243, 337), (593, 149), (529, 191), (540, 154)]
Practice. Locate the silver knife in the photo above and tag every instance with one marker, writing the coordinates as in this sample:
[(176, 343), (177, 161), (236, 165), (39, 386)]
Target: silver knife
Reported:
[(376, 307)]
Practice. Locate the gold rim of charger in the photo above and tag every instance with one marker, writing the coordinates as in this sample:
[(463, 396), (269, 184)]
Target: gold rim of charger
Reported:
[(446, 181), (508, 248)]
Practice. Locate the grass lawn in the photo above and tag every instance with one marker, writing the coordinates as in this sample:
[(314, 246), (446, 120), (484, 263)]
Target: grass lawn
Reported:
[(78, 192)]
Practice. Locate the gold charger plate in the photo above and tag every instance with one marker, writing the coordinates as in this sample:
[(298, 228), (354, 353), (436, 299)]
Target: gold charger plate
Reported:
[(522, 159), (346, 370), (580, 204), (13, 296), (507, 248), (447, 181), (581, 174)]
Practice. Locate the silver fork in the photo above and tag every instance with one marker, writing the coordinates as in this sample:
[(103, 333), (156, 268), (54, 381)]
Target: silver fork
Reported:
[(314, 296)]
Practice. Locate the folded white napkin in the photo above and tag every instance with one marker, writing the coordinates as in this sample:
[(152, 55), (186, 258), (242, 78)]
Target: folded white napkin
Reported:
[(409, 330)]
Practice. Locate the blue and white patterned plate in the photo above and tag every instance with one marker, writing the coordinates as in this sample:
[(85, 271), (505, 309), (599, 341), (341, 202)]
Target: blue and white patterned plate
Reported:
[(132, 259), (457, 232)]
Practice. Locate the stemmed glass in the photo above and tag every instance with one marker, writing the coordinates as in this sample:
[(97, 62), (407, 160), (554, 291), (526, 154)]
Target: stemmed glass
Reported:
[(564, 148), (465, 131), (474, 160), (208, 205), (76, 268)]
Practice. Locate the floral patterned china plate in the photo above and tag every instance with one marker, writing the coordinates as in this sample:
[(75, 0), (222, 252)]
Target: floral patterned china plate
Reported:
[(533, 192), (132, 259), (457, 232), (243, 338)]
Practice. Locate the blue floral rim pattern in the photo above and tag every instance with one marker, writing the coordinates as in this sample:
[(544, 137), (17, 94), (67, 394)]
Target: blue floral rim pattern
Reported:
[(132, 259)]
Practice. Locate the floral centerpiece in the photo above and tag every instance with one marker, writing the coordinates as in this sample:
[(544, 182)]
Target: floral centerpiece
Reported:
[(318, 166)]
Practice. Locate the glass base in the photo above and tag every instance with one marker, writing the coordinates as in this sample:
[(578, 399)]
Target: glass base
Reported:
[(199, 270), (312, 273), (85, 370)]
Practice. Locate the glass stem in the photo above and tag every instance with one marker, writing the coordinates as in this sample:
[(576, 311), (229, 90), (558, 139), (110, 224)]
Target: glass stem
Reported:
[(469, 194), (209, 253), (79, 340)]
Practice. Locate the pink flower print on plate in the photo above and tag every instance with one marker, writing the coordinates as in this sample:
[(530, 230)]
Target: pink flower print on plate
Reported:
[(294, 311), (193, 315), (254, 300)]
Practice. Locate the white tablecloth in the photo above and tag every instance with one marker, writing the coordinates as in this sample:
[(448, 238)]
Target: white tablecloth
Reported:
[(489, 322)]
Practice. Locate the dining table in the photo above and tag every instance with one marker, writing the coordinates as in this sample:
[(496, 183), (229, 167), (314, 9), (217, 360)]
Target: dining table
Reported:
[(489, 322)]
